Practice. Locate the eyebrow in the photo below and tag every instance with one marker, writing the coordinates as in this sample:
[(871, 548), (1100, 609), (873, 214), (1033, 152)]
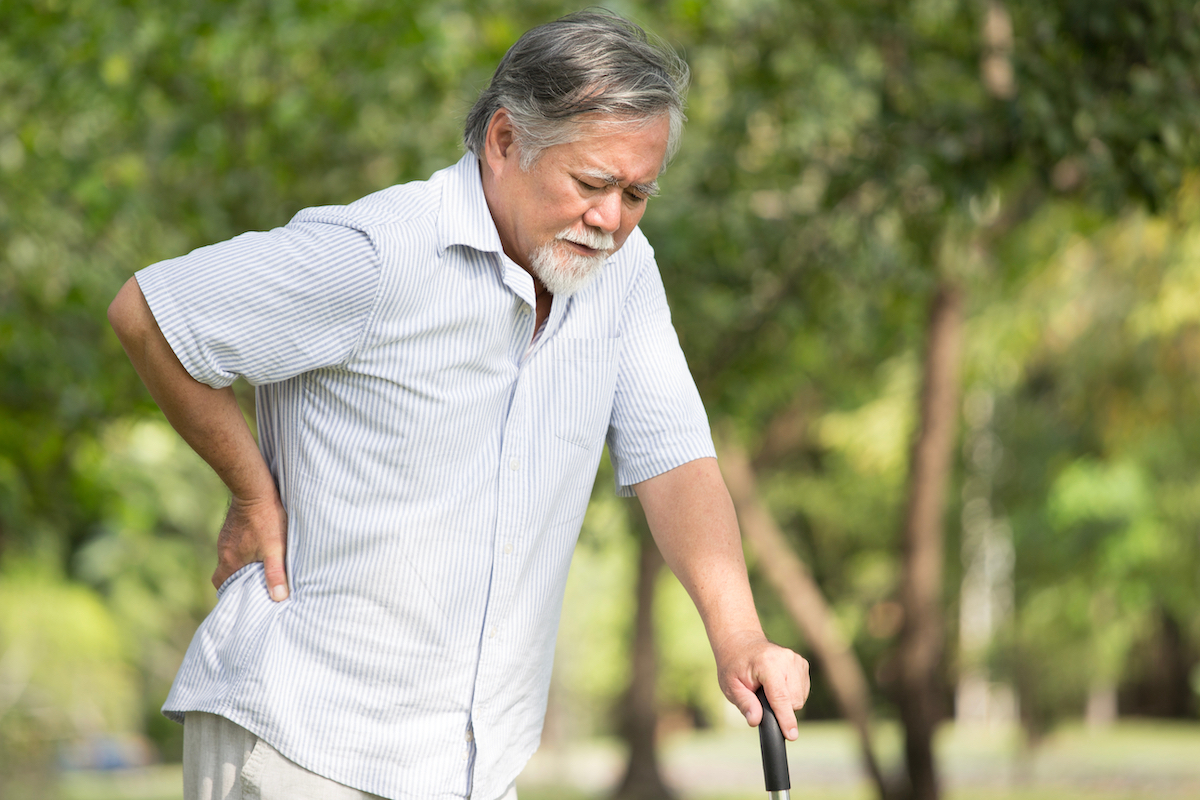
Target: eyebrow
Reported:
[(649, 189)]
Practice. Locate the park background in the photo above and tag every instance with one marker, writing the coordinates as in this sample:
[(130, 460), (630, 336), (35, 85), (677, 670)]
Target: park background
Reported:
[(936, 268)]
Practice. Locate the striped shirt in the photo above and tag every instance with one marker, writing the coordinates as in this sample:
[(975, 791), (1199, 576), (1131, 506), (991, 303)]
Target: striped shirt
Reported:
[(435, 466)]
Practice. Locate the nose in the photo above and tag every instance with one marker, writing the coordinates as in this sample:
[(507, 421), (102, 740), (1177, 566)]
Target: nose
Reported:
[(605, 213)]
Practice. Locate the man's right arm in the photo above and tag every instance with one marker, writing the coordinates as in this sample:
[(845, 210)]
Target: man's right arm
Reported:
[(211, 422)]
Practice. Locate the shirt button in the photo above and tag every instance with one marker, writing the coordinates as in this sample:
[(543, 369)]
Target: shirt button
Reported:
[(508, 547), (514, 465), (470, 736), (492, 633)]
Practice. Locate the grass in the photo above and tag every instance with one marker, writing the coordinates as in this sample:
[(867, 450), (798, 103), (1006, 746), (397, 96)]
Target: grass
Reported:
[(1131, 761), (163, 782)]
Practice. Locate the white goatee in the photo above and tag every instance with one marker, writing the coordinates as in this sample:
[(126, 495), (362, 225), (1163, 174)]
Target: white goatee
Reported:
[(563, 271)]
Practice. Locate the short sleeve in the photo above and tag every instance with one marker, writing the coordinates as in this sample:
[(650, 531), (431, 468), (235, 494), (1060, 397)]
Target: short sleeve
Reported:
[(658, 421), (266, 306)]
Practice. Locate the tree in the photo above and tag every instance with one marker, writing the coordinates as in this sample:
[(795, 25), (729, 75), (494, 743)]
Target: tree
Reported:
[(843, 162), (849, 152), (639, 717)]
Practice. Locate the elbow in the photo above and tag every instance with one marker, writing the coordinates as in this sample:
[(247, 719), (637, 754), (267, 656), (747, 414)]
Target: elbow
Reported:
[(127, 311)]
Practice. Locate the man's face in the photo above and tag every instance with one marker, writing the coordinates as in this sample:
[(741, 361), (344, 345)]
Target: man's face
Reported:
[(579, 201)]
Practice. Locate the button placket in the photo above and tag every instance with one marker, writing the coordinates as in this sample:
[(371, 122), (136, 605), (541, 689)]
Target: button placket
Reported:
[(512, 511)]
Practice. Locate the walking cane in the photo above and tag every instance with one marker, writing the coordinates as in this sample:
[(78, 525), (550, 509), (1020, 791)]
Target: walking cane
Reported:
[(774, 752)]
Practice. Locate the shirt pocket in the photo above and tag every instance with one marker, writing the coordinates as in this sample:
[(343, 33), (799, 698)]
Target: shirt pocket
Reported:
[(583, 382)]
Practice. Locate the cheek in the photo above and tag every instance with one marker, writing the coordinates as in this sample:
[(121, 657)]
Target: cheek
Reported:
[(629, 221), (564, 211)]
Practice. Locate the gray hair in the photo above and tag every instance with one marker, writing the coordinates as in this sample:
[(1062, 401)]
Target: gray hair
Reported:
[(590, 62)]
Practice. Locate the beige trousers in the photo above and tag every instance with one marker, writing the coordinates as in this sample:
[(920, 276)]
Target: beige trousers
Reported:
[(224, 761)]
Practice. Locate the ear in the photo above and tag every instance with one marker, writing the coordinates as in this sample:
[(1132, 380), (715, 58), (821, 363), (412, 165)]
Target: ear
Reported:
[(500, 149)]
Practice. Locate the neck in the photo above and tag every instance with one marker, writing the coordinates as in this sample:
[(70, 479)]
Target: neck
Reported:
[(495, 209)]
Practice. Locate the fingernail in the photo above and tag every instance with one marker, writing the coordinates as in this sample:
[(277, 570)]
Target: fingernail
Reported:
[(279, 592)]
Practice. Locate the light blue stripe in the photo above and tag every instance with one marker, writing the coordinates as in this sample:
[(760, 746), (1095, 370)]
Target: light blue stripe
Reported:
[(435, 468)]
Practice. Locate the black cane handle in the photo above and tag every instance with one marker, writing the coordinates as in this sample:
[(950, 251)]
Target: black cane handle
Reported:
[(774, 752)]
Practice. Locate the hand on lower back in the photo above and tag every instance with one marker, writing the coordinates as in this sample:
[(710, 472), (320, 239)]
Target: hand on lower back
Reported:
[(254, 531)]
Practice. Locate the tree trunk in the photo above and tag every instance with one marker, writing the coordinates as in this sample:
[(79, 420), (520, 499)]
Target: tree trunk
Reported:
[(803, 600), (985, 598), (921, 639), (1164, 663), (639, 715)]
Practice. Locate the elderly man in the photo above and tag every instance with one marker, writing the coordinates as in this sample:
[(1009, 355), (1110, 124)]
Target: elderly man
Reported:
[(437, 369)]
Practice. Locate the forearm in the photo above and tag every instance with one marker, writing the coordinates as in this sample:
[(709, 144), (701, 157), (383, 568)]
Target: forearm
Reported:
[(694, 524), (208, 419)]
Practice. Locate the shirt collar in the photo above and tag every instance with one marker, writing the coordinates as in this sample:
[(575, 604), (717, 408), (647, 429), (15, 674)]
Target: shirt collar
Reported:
[(465, 218)]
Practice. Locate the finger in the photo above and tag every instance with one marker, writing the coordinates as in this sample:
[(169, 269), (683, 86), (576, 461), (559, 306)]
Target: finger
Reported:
[(220, 575), (805, 681), (745, 701), (229, 557), (781, 703), (228, 562), (792, 694)]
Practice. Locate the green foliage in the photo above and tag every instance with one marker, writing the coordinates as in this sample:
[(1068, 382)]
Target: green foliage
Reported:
[(1099, 432), (64, 670), (592, 661), (841, 159), (132, 132), (592, 665)]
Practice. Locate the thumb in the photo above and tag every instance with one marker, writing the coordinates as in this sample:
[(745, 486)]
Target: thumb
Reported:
[(276, 576)]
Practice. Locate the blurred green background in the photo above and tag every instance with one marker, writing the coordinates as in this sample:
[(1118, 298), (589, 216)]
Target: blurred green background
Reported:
[(844, 163)]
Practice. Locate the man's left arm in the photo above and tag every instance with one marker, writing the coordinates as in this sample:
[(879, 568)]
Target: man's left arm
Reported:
[(695, 527)]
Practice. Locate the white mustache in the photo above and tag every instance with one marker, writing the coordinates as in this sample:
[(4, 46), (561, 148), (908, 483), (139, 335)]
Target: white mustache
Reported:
[(596, 240)]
